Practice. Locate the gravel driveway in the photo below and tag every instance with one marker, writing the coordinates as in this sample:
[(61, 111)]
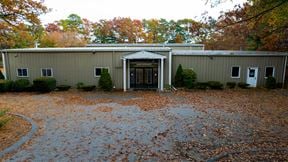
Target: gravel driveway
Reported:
[(84, 130)]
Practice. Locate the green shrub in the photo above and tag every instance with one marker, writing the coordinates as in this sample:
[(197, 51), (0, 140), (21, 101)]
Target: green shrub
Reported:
[(1, 75), (4, 119), (105, 81), (243, 85), (88, 87), (63, 87), (189, 78), (202, 85), (279, 85), (6, 85), (231, 85), (179, 77), (79, 85), (167, 87), (44, 84), (270, 83), (215, 85), (21, 85), (30, 88)]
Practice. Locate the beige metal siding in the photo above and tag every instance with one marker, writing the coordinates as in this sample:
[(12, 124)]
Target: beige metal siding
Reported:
[(68, 68), (218, 68), (71, 68)]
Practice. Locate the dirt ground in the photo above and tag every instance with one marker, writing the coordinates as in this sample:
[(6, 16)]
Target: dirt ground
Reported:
[(13, 131), (229, 125)]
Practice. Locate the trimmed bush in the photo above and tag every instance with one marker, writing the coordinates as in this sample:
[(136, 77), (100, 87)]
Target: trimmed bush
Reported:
[(6, 85), (1, 75), (179, 77), (30, 88), (105, 81), (88, 87), (21, 85), (44, 84), (279, 85), (243, 85), (63, 87), (167, 87), (270, 83), (231, 85), (202, 85), (189, 78), (215, 85), (79, 85)]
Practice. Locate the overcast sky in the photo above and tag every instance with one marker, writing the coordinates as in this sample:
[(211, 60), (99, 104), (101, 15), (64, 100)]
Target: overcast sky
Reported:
[(94, 10)]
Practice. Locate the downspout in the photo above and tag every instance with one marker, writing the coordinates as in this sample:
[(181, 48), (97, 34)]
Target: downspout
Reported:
[(284, 72), (170, 67)]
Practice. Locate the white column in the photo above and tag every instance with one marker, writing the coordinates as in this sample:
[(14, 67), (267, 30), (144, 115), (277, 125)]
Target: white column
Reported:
[(124, 75), (162, 74), (128, 61), (4, 65), (159, 74), (170, 68)]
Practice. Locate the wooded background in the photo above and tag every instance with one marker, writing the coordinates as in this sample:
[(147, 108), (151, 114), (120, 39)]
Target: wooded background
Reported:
[(255, 25)]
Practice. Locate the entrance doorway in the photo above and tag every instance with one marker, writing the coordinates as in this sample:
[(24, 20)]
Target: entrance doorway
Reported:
[(252, 75), (143, 77)]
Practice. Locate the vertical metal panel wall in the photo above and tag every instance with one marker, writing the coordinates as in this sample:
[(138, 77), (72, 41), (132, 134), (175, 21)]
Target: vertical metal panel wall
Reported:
[(71, 68), (218, 68)]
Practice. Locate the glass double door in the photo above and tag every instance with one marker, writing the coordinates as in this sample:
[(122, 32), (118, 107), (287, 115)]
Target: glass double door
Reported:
[(144, 77)]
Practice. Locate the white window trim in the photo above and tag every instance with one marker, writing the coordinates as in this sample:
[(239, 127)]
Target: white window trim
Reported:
[(52, 74), (98, 76), (273, 73), (239, 74), (22, 76)]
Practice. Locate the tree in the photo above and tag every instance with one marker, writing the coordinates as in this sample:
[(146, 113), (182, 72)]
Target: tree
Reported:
[(179, 76), (62, 39), (104, 32), (105, 81), (257, 25), (15, 13), (70, 32), (73, 23)]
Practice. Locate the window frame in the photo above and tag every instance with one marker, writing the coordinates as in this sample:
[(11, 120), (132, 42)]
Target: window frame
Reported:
[(98, 67), (52, 74), (273, 73), (22, 72), (239, 72)]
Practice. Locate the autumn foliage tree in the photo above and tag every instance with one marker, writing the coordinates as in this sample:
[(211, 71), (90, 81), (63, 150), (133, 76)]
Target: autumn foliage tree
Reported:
[(71, 32), (13, 15), (257, 25)]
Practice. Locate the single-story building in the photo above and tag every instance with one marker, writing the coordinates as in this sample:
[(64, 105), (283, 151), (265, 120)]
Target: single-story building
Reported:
[(135, 66)]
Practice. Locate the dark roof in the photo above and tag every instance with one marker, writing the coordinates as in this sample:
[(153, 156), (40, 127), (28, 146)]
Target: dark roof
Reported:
[(227, 53)]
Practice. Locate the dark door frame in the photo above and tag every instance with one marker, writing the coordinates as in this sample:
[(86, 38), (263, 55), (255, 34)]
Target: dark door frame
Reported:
[(144, 83)]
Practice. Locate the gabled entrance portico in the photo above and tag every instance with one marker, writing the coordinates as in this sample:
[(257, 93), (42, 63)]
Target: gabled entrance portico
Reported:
[(145, 70)]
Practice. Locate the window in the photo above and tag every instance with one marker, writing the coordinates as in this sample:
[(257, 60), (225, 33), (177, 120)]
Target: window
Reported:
[(98, 71), (235, 72), (22, 72), (46, 72), (269, 71)]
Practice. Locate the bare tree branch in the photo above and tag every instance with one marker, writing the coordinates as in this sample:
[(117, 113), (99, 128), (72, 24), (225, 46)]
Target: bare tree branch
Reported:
[(257, 15)]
